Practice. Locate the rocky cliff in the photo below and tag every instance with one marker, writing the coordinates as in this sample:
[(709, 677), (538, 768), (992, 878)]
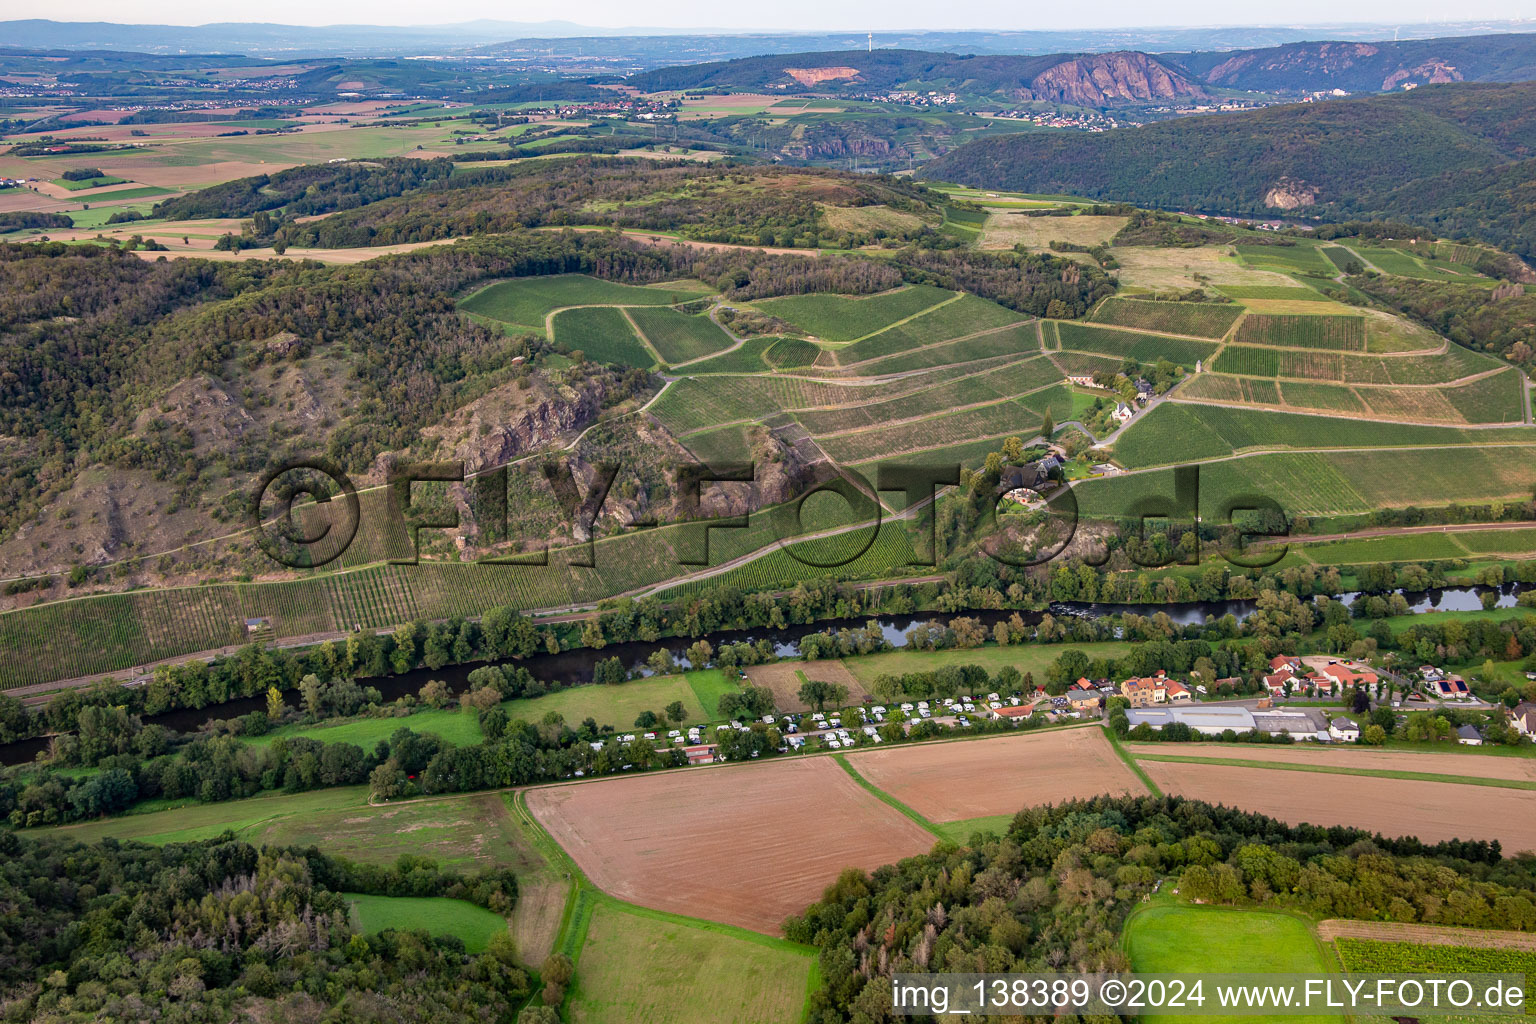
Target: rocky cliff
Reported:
[(1112, 79)]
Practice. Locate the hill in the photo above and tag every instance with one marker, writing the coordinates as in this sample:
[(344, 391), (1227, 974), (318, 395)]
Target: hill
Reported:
[(1095, 80), (1446, 156), (1365, 66)]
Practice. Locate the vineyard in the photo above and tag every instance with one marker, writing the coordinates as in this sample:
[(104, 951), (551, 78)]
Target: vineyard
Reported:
[(1133, 345), (1337, 333), (1201, 319), (528, 301), (602, 334), (1368, 956), (679, 337), (844, 318), (962, 318)]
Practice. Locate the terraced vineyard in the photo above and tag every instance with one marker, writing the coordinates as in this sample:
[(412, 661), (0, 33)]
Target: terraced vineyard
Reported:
[(839, 318), (1203, 320), (527, 301), (679, 337), (602, 333)]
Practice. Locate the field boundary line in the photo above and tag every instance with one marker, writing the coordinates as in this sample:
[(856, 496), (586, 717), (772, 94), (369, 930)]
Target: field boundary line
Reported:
[(641, 335), (1370, 773), (586, 897), (1130, 762), (956, 297), (935, 344), (886, 798)]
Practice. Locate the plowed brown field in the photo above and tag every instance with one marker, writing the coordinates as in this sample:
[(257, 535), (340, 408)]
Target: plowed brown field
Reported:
[(746, 844), (1486, 766), (979, 778), (1433, 811)]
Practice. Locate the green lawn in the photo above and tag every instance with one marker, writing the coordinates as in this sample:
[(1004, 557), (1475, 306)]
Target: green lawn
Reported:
[(1179, 939), (619, 705), (1024, 657), (637, 966), (190, 823), (458, 727), (960, 831), (435, 914)]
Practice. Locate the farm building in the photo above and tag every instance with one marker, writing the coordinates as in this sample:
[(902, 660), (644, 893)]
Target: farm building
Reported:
[(1300, 723), (1343, 730), (1211, 721)]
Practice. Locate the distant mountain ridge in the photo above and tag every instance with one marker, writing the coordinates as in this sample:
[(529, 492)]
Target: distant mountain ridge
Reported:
[(1127, 76), (1366, 66), (1094, 79)]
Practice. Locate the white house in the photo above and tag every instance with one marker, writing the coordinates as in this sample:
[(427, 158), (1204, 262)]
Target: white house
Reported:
[(1467, 736), (1122, 413), (1343, 730)]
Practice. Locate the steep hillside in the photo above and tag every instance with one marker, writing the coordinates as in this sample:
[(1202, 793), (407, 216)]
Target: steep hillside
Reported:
[(1102, 79), (1366, 67), (1448, 156)]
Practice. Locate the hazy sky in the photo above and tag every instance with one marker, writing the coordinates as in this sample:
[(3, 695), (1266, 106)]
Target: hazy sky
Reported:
[(793, 15)]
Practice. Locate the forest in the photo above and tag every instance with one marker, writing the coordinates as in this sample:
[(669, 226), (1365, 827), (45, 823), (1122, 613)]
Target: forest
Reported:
[(1442, 157), (205, 932)]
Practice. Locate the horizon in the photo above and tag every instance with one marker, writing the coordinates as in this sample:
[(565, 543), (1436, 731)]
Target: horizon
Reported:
[(673, 18)]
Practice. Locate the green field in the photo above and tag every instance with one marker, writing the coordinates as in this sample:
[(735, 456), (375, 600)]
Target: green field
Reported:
[(841, 318), (601, 333), (1326, 483), (965, 316), (1338, 333), (679, 337), (86, 183), (619, 705), (1185, 432), (436, 915), (1201, 319), (1025, 657), (527, 301), (1134, 345), (458, 727), (638, 967), (1189, 940), (1406, 548)]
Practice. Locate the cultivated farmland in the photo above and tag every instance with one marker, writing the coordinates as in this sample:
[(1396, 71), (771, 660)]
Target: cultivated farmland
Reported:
[(1339, 333), (527, 301), (726, 843), (1201, 319), (1485, 766), (601, 333), (1432, 811), (998, 775), (842, 318), (679, 337)]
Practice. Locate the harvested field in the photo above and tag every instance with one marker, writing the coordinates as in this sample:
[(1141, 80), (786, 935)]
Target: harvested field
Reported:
[(1433, 811), (980, 778), (1427, 934), (1005, 230), (728, 843), (784, 679), (1485, 766)]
